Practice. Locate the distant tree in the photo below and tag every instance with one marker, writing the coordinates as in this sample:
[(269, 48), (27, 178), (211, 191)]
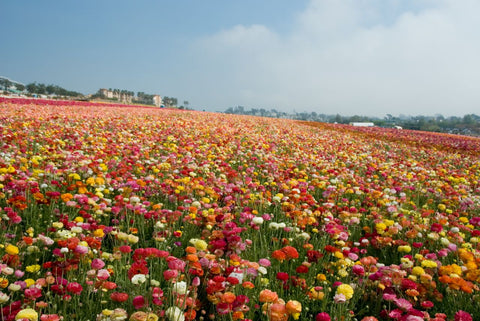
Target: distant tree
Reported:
[(20, 87), (32, 88), (3, 83), (50, 89)]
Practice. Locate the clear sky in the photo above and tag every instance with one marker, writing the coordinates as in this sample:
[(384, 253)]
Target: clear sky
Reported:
[(365, 57)]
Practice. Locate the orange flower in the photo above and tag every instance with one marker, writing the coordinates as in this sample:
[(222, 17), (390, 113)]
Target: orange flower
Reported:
[(191, 250), (248, 285), (66, 197), (279, 255), (228, 297), (294, 308), (192, 258), (237, 315), (277, 312), (290, 252), (267, 296)]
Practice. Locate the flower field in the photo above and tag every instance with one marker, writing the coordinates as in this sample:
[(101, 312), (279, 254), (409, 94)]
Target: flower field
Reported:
[(129, 213)]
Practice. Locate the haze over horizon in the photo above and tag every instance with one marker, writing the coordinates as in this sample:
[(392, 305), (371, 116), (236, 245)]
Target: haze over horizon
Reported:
[(365, 57)]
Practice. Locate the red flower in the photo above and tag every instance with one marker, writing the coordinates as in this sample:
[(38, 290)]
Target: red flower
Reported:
[(33, 293), (74, 287), (125, 249), (279, 255), (302, 269), (119, 297), (282, 276), (138, 302), (313, 256), (139, 267)]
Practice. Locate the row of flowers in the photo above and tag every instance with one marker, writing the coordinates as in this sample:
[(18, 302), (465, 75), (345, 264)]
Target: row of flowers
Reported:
[(144, 214)]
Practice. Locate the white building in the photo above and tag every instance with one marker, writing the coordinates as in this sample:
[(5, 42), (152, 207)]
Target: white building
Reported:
[(362, 124)]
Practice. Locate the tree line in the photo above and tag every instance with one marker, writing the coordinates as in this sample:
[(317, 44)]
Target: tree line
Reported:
[(43, 89), (466, 125)]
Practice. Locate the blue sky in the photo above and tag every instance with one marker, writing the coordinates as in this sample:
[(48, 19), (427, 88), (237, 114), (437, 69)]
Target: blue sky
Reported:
[(366, 57)]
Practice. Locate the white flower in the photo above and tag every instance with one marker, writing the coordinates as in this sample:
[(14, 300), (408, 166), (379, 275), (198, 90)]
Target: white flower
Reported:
[(134, 199), (174, 314), (273, 226), (3, 298), (139, 279), (76, 229), (238, 276), (7, 270), (180, 288), (257, 220), (262, 270)]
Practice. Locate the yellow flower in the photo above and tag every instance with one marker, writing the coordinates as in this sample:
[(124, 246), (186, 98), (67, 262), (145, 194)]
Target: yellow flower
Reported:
[(316, 294), (429, 264), (98, 233), (321, 277), (33, 268), (3, 283), (404, 249), (29, 282), (418, 271), (107, 312), (132, 239), (28, 314), (75, 176), (11, 249), (380, 227), (200, 245), (346, 290)]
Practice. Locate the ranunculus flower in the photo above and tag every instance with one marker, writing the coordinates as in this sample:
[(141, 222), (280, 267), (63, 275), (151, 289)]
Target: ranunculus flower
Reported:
[(323, 316), (97, 264), (180, 288), (268, 296), (278, 312), (294, 308), (29, 314), (75, 288), (463, 316), (174, 314), (143, 316), (138, 302), (119, 297), (139, 279), (346, 290)]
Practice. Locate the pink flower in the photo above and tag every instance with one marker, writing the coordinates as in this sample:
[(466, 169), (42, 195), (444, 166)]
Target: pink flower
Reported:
[(103, 274), (80, 249), (138, 302), (463, 316), (358, 270), (170, 274), (339, 298), (427, 304), (389, 296), (395, 314), (175, 264), (323, 316), (403, 304), (97, 264)]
